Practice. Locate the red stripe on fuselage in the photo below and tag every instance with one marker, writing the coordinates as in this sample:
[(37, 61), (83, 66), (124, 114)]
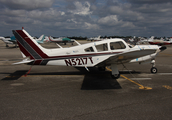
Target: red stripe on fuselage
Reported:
[(32, 44)]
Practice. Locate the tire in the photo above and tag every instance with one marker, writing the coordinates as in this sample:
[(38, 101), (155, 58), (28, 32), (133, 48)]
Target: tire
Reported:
[(154, 70), (116, 76)]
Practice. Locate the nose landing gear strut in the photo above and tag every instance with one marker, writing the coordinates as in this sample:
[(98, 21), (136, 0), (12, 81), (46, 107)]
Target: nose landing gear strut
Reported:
[(153, 69)]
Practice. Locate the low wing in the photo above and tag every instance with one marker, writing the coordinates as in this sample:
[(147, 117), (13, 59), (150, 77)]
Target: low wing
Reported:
[(126, 56)]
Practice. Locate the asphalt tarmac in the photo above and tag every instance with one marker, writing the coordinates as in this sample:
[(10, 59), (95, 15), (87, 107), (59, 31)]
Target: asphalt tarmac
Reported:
[(67, 93)]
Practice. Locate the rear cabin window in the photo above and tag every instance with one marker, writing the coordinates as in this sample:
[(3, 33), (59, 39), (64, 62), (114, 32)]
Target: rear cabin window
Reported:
[(117, 45), (102, 47), (90, 49)]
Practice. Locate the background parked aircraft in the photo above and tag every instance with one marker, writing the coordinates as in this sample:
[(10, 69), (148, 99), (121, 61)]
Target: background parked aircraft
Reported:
[(40, 40), (160, 42), (95, 38), (61, 40), (11, 40)]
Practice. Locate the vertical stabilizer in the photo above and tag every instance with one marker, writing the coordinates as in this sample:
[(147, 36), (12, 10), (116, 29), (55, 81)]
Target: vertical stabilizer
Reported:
[(28, 46)]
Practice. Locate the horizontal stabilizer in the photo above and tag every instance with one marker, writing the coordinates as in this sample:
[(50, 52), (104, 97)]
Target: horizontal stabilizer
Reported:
[(25, 61)]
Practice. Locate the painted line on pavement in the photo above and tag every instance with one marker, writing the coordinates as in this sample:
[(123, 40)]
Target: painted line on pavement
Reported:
[(167, 87), (141, 86), (164, 73), (141, 78), (43, 76)]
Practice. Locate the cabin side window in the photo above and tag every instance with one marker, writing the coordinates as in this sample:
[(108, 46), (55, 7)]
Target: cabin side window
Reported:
[(90, 49), (102, 47), (117, 45)]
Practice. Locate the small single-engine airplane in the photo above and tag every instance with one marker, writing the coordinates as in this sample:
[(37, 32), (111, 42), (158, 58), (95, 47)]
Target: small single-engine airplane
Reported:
[(96, 54), (132, 39), (10, 40), (95, 38), (40, 40), (160, 42), (61, 40)]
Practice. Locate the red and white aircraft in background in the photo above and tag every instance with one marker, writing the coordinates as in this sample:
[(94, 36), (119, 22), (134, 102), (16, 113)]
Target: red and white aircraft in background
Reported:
[(160, 42), (101, 54)]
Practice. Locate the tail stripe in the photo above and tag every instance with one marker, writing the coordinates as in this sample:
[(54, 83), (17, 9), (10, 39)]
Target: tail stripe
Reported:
[(24, 51), (37, 62), (26, 44), (40, 62), (30, 45), (44, 62)]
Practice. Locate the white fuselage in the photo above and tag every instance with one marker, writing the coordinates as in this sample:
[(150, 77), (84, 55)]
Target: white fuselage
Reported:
[(77, 56)]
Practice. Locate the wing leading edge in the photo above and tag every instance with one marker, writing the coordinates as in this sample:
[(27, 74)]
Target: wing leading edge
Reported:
[(127, 56)]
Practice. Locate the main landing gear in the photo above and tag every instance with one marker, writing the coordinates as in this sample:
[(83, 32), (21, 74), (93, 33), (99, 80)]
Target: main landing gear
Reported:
[(114, 71), (115, 76)]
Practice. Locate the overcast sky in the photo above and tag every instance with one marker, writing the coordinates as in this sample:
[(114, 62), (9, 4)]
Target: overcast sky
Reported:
[(87, 17)]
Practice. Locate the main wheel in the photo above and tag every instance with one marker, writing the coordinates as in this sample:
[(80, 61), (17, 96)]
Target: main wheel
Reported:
[(154, 70), (116, 76)]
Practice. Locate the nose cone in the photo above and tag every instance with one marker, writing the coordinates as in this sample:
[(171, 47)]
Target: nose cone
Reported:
[(162, 48)]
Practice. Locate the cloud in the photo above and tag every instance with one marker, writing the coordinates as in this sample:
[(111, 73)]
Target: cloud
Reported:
[(12, 13), (109, 20), (49, 14), (81, 8), (148, 1), (91, 26), (88, 18), (113, 21), (27, 4)]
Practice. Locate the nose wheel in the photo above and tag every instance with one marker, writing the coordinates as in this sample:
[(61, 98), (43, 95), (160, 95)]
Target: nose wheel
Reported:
[(153, 69)]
